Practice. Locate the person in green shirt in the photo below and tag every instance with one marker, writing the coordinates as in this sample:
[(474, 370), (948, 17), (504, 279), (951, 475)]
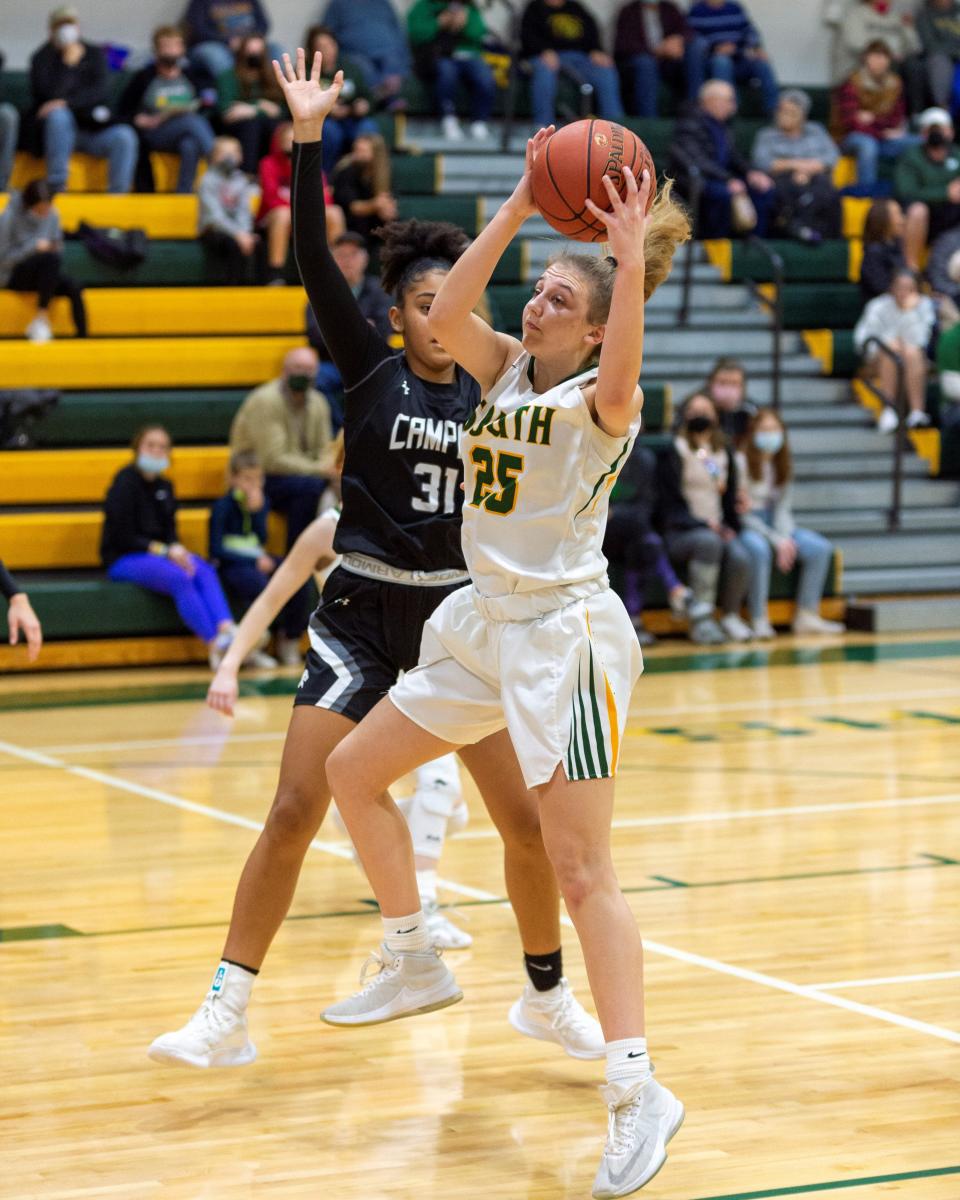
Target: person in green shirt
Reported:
[(251, 103), (350, 117), (948, 366), (447, 37), (927, 183)]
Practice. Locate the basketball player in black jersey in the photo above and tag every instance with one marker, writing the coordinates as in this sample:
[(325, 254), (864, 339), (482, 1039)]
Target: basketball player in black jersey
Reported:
[(399, 534)]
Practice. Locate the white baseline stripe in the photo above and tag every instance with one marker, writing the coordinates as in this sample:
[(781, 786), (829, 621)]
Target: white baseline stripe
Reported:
[(204, 739), (856, 983)]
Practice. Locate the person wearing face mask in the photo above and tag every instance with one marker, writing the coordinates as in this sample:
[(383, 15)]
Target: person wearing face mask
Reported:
[(225, 218), (31, 257), (352, 115), (71, 106), (169, 101), (927, 183), (251, 104), (139, 544), (216, 27), (771, 534), (727, 388)]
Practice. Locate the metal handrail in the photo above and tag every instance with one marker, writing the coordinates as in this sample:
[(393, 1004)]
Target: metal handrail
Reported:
[(694, 187), (776, 307), (900, 437)]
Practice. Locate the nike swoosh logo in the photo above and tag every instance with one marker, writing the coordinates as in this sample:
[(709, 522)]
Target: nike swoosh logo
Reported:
[(537, 967), (636, 1054), (410, 930)]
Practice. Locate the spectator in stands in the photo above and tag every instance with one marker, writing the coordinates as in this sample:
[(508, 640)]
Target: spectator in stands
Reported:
[(799, 155), (286, 424), (770, 532), (351, 113), (698, 513), (632, 543), (170, 102), (238, 545), (31, 257), (217, 27), (251, 102), (352, 257), (139, 544), (563, 33), (927, 181), (734, 47), (869, 115), (273, 219), (948, 366), (727, 388), (71, 98), (736, 197), (653, 45), (447, 38), (867, 22), (938, 26), (904, 321), (882, 248), (361, 186), (20, 615), (943, 274), (372, 34), (225, 218), (9, 133)]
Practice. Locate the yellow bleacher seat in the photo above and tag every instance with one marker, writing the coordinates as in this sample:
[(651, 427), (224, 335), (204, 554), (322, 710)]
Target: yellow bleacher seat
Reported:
[(88, 174), (48, 541), (159, 216), (845, 172), (855, 209)]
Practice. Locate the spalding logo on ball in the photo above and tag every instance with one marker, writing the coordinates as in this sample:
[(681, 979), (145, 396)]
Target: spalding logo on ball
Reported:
[(571, 167)]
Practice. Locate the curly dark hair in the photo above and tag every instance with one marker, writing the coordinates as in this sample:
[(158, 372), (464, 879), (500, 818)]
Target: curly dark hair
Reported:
[(411, 248)]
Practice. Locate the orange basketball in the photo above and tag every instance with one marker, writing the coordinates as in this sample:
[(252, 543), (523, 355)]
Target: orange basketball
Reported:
[(571, 167)]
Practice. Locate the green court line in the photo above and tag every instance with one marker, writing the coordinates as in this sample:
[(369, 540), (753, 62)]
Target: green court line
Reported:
[(725, 660), (835, 1185), (944, 718), (36, 933)]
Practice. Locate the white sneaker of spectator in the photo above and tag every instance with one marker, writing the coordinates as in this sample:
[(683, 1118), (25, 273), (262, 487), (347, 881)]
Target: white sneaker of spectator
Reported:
[(451, 129), (807, 621), (888, 420), (288, 651), (918, 419), (479, 131), (39, 330), (736, 629), (763, 631)]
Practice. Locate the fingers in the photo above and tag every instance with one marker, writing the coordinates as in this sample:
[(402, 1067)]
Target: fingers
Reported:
[(14, 627), (315, 68), (34, 641), (632, 189), (616, 203), (278, 72), (646, 186), (301, 64), (599, 213)]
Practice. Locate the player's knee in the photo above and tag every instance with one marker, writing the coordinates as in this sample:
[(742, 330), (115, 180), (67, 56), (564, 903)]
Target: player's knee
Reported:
[(523, 835), (580, 872), (295, 815), (339, 771)]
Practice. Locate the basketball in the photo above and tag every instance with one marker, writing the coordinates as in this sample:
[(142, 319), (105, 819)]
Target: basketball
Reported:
[(571, 166)]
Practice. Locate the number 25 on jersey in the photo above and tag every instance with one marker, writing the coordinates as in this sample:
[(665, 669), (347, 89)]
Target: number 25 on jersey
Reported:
[(495, 489)]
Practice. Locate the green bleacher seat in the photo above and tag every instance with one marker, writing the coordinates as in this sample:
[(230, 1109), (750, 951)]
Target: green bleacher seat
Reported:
[(806, 305), (110, 418), (829, 261), (88, 605)]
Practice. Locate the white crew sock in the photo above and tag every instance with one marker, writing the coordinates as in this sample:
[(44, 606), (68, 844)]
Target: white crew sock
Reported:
[(627, 1061), (232, 984), (427, 884), (405, 935)]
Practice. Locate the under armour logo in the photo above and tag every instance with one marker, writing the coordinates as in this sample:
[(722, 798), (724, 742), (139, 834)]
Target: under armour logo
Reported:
[(405, 388)]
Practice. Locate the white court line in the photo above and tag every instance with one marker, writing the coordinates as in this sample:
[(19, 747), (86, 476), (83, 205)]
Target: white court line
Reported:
[(855, 983), (710, 964), (210, 739)]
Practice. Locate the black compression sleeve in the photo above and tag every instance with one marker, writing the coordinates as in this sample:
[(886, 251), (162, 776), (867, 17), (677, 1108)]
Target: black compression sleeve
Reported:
[(8, 585), (354, 345)]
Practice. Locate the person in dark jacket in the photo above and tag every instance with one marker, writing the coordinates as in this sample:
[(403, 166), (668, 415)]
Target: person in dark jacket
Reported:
[(882, 248), (943, 266), (361, 185), (139, 544), (170, 102), (653, 45), (703, 144), (215, 29), (351, 114), (71, 105), (563, 33), (938, 27), (9, 133)]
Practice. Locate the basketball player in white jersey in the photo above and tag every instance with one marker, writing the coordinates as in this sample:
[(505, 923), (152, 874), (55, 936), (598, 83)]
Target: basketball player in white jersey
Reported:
[(538, 644)]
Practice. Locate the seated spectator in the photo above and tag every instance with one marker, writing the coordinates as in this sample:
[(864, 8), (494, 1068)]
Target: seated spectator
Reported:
[(770, 532), (372, 34), (251, 101), (273, 219), (927, 182), (238, 545), (216, 28), (632, 543), (734, 47), (361, 186), (727, 388), (555, 33), (447, 38), (139, 544), (799, 155), (943, 274), (71, 94), (938, 27), (31, 257), (286, 424), (170, 103), (351, 256), (882, 248), (948, 366), (653, 45), (903, 320), (351, 113), (698, 488), (735, 197), (867, 22), (9, 132), (20, 615), (225, 216), (869, 115)]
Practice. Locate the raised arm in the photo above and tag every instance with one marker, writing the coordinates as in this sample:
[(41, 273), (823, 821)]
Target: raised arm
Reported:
[(480, 350)]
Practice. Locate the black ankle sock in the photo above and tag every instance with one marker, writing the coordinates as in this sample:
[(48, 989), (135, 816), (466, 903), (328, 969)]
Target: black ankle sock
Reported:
[(243, 966), (545, 970)]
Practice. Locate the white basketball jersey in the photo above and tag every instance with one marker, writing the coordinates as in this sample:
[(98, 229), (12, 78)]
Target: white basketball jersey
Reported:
[(538, 472)]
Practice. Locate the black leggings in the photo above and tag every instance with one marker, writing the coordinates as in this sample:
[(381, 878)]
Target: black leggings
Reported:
[(41, 273)]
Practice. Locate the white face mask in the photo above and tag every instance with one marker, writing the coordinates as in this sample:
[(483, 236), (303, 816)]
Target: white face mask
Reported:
[(66, 35)]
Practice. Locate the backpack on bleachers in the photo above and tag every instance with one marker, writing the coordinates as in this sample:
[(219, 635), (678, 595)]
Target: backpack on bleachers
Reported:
[(123, 248)]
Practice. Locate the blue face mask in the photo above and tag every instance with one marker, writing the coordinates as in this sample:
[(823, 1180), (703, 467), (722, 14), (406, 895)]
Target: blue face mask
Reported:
[(151, 465), (768, 441)]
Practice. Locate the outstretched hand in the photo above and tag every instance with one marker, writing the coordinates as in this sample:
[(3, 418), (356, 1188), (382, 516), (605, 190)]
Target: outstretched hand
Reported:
[(626, 221), (308, 102), (522, 198)]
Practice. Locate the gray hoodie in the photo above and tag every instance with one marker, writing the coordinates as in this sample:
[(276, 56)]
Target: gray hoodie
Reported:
[(225, 202), (20, 230)]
